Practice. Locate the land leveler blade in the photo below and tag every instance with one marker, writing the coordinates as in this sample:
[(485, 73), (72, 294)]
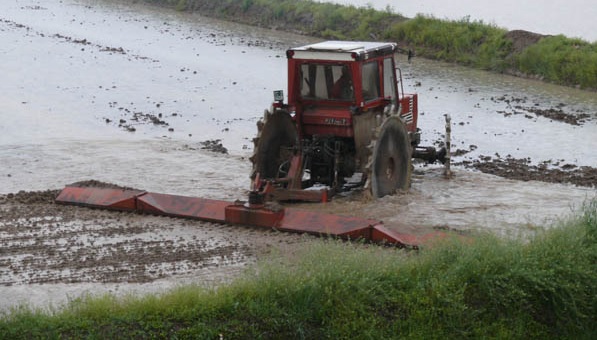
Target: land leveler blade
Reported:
[(240, 213)]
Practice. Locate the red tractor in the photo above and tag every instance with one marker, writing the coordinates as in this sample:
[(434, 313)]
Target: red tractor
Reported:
[(348, 123)]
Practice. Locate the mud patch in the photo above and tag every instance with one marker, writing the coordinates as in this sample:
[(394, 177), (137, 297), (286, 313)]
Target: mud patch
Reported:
[(558, 115), (34, 8), (26, 197), (131, 118), (42, 243), (92, 183), (554, 113), (522, 169), (522, 39), (68, 39), (214, 146)]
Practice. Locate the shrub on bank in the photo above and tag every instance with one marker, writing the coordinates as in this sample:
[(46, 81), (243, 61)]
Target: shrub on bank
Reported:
[(466, 42), (561, 60), (484, 287)]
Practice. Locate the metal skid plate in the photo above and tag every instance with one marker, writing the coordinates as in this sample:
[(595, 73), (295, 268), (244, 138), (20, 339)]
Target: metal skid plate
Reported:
[(107, 198), (182, 206)]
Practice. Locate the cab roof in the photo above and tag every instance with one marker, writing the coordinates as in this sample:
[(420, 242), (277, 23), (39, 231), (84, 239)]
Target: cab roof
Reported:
[(342, 50)]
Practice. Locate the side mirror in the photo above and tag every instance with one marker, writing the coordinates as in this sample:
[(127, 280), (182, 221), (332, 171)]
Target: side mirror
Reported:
[(279, 96)]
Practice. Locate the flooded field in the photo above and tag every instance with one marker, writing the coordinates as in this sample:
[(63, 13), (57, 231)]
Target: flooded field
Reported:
[(133, 95)]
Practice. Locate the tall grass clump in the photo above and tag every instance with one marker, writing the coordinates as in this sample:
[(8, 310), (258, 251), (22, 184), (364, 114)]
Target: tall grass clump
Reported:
[(464, 41), (326, 20), (321, 19), (561, 60), (481, 286)]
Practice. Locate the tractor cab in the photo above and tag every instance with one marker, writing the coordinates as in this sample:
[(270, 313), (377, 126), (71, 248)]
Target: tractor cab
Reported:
[(331, 81)]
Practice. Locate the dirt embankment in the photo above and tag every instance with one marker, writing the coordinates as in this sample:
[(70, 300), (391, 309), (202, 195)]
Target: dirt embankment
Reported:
[(522, 39)]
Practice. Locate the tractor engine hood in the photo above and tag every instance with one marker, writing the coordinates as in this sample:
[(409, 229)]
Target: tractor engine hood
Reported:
[(328, 120)]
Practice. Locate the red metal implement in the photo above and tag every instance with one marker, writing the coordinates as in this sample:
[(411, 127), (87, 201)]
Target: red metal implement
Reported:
[(182, 206), (284, 219), (107, 198)]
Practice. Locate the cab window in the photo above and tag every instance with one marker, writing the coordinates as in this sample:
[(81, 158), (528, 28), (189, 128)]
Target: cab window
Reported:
[(389, 83), (328, 82), (370, 81)]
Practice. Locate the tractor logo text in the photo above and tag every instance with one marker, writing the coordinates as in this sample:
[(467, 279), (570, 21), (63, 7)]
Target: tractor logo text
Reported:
[(336, 121)]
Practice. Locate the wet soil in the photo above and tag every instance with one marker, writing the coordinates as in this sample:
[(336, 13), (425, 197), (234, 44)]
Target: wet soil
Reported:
[(42, 242), (214, 146), (516, 106), (522, 39), (523, 170)]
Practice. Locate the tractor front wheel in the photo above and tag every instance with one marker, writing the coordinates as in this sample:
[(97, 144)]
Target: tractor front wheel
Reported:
[(276, 143)]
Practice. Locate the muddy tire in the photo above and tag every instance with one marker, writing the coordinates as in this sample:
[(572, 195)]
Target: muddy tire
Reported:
[(390, 160), (276, 142)]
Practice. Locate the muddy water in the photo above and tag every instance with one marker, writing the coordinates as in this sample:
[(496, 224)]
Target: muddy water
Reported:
[(493, 113), (75, 88), (97, 90), (573, 18)]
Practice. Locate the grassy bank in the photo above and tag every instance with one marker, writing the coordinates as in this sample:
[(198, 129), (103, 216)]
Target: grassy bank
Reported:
[(556, 59), (561, 60), (486, 287)]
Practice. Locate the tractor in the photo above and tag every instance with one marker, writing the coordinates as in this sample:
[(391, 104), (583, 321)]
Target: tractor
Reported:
[(348, 124)]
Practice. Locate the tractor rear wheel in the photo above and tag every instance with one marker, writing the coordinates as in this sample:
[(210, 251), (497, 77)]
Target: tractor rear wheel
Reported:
[(390, 161), (276, 143)]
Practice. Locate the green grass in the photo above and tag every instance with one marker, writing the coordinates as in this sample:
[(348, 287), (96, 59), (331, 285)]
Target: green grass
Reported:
[(561, 60), (484, 287), (466, 42)]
